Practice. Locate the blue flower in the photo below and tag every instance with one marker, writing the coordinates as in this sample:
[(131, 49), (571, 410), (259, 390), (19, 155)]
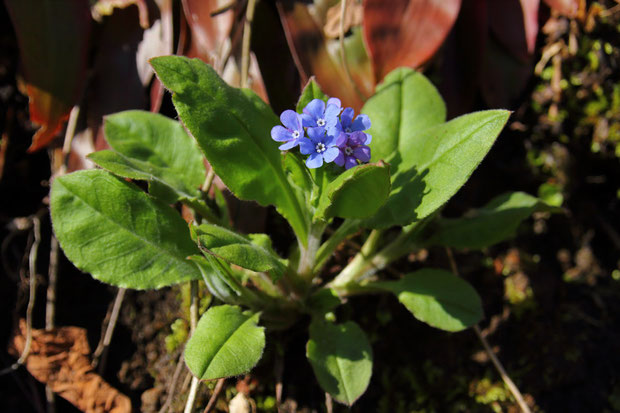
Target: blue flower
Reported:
[(351, 148), (292, 133), (349, 125), (317, 114), (321, 147)]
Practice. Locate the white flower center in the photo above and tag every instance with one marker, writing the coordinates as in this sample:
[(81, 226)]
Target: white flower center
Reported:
[(295, 134), (320, 122), (320, 147), (348, 151), (348, 130)]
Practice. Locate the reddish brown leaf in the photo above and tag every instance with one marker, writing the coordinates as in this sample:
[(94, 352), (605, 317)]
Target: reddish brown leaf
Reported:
[(515, 25), (60, 358), (566, 7), (106, 8), (310, 51), (53, 37), (208, 32), (406, 32)]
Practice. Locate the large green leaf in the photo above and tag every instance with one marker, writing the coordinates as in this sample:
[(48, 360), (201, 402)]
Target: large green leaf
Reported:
[(111, 229), (356, 193), (438, 298), (406, 103), (227, 342), (238, 249), (430, 167), (493, 223), (151, 147), (232, 127), (341, 358)]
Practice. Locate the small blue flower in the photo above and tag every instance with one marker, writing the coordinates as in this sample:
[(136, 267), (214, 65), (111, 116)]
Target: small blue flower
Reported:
[(349, 125), (351, 148), (292, 133), (321, 147), (317, 114)]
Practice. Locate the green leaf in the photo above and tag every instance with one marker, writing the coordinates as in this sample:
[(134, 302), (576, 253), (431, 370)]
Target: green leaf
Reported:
[(237, 249), (226, 343), (438, 298), (404, 104), (111, 229), (233, 128), (154, 148), (356, 193), (431, 166), (311, 91), (341, 358), (493, 223)]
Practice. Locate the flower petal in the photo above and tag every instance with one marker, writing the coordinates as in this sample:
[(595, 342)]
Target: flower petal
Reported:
[(361, 122), (362, 153), (350, 162), (316, 134), (357, 138), (306, 146), (330, 154), (316, 108), (314, 161), (291, 120), (335, 102), (346, 117), (340, 158), (368, 139), (289, 145), (280, 134), (342, 140), (329, 140)]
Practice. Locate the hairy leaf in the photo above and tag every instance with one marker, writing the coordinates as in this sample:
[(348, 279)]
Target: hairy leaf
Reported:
[(311, 91), (111, 229), (493, 223), (341, 358), (227, 342), (356, 193), (232, 127), (406, 103), (438, 298), (432, 165)]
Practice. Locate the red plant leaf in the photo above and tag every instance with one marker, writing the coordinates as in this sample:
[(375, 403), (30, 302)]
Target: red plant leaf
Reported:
[(309, 48), (106, 8), (515, 25), (566, 7), (53, 37), (208, 32), (406, 32)]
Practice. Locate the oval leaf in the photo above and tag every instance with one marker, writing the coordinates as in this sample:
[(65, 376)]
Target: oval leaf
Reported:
[(356, 193), (111, 229), (341, 358), (493, 223), (155, 148), (311, 91), (431, 166), (404, 104), (232, 127), (438, 298), (227, 342)]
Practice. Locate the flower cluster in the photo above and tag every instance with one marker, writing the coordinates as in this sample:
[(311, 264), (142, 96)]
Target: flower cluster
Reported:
[(333, 134)]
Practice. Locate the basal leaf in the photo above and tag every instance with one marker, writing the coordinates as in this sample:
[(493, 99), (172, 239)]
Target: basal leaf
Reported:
[(493, 223), (237, 249), (438, 298), (227, 342), (430, 166), (341, 358), (356, 193), (311, 91), (111, 229), (406, 103), (232, 127), (152, 147)]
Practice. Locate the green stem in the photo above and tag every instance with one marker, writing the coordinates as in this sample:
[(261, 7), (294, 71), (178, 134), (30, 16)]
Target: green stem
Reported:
[(326, 250), (360, 264), (308, 254)]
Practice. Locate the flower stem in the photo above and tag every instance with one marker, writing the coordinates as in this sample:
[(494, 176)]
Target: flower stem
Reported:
[(361, 263), (245, 46), (348, 227), (308, 254)]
